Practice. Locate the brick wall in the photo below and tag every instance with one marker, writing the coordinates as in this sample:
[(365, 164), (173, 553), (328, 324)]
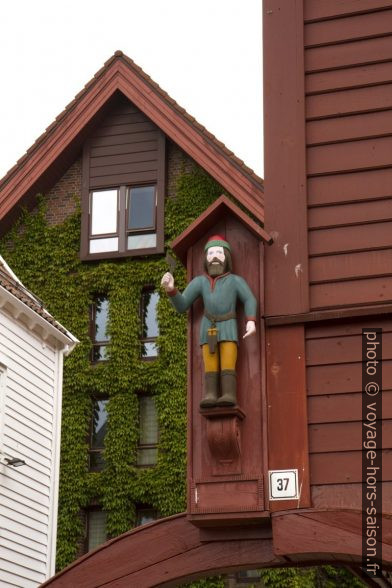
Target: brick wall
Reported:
[(178, 162), (62, 199)]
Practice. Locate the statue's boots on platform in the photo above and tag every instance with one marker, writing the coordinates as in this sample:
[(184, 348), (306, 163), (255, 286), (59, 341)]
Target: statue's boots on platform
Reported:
[(228, 388), (211, 387)]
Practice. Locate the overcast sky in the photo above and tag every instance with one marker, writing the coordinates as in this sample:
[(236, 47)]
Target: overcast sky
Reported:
[(207, 54)]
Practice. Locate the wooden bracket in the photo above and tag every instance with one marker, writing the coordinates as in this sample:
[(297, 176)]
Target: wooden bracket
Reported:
[(224, 438)]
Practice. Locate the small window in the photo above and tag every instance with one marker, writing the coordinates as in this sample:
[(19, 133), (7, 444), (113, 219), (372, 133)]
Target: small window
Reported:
[(123, 220), (97, 435), (248, 577), (145, 514), (147, 451), (149, 318), (99, 327), (96, 533)]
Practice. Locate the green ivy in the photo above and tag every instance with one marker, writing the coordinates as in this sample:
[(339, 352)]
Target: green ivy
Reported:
[(46, 259)]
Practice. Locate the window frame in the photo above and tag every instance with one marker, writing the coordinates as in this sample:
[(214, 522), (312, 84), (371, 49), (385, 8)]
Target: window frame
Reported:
[(99, 451), (88, 511), (141, 446), (143, 340), (141, 508), (94, 342), (122, 208)]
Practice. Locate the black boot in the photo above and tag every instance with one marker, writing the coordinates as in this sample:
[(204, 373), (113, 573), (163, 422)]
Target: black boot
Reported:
[(211, 384), (229, 388)]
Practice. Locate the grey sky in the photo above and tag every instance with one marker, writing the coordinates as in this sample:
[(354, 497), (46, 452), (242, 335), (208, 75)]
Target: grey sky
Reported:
[(207, 54)]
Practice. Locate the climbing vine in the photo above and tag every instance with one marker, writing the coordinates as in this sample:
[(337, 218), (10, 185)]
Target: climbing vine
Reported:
[(46, 259)]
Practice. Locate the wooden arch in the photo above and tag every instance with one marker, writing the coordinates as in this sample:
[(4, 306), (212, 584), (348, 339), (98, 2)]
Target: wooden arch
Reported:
[(173, 551)]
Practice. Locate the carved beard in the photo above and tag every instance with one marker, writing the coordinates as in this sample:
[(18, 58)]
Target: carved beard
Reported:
[(215, 267)]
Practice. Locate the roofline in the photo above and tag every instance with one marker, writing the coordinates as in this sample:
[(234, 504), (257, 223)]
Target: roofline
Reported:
[(208, 218), (67, 339), (120, 73), (53, 326)]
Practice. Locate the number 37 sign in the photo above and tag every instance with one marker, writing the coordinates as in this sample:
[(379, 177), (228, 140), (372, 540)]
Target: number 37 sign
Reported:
[(283, 484)]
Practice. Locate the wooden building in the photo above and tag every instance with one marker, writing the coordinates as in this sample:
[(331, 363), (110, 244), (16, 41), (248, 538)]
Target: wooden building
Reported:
[(324, 279), (32, 345), (141, 169), (329, 129)]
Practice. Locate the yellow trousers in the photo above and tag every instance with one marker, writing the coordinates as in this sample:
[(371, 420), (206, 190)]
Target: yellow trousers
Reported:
[(223, 358)]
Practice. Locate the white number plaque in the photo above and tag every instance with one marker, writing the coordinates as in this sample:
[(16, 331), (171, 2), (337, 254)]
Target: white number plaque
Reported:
[(283, 484)]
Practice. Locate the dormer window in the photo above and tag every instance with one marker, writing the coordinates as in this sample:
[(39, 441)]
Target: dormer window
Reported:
[(123, 220), (123, 188)]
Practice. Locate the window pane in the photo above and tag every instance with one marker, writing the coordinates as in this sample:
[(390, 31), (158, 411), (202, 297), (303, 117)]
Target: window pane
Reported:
[(148, 422), (141, 208), (142, 241), (149, 309), (145, 515), (100, 353), (104, 212), (99, 424), (96, 528), (149, 349), (147, 453), (97, 461), (147, 456), (103, 245), (101, 319)]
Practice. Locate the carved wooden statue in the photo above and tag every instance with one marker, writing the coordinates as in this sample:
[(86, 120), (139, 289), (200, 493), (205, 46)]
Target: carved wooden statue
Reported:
[(220, 290)]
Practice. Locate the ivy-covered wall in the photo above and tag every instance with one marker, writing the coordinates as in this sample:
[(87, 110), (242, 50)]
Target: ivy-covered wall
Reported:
[(45, 255), (46, 258)]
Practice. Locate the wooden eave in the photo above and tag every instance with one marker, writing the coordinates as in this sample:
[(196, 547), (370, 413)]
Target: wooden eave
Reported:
[(14, 294), (216, 211), (65, 135)]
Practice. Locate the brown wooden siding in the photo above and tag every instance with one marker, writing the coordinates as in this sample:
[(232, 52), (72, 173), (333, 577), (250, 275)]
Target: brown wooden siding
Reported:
[(348, 85), (334, 383), (123, 149)]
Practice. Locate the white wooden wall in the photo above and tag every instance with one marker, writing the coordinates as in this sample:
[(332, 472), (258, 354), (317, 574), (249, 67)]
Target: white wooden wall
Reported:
[(30, 386)]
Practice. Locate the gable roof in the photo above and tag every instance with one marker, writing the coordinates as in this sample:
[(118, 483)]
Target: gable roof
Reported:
[(58, 146), (214, 213)]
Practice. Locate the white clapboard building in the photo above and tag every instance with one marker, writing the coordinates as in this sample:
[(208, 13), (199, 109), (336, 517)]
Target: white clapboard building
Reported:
[(32, 346)]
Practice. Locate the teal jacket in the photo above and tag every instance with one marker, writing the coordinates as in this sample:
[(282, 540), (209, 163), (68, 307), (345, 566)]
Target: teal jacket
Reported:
[(220, 296)]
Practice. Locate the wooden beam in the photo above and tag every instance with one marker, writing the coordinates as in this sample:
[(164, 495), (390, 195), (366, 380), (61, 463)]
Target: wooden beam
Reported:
[(287, 289)]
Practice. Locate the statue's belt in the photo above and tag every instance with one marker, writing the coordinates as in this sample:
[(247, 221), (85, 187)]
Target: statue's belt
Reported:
[(212, 332), (217, 318)]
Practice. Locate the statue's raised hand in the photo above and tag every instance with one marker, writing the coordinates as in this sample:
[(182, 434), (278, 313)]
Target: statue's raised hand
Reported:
[(167, 282)]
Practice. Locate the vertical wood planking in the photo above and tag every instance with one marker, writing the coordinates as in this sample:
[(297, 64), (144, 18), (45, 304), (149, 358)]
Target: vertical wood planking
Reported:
[(287, 411), (285, 165)]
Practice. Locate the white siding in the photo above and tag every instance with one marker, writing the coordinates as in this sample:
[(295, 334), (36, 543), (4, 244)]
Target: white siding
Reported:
[(30, 383)]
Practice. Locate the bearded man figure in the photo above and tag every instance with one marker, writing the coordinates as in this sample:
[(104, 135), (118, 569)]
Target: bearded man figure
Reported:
[(220, 289)]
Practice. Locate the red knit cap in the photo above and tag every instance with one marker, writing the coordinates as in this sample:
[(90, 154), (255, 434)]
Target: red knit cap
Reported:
[(217, 241)]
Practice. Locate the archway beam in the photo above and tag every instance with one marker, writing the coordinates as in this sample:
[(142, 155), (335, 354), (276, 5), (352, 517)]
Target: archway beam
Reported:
[(173, 551)]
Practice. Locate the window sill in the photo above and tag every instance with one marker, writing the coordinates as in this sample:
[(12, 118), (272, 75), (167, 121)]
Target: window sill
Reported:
[(122, 254)]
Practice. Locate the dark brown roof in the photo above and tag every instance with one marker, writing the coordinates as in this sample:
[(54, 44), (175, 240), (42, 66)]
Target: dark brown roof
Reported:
[(15, 287), (65, 135)]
